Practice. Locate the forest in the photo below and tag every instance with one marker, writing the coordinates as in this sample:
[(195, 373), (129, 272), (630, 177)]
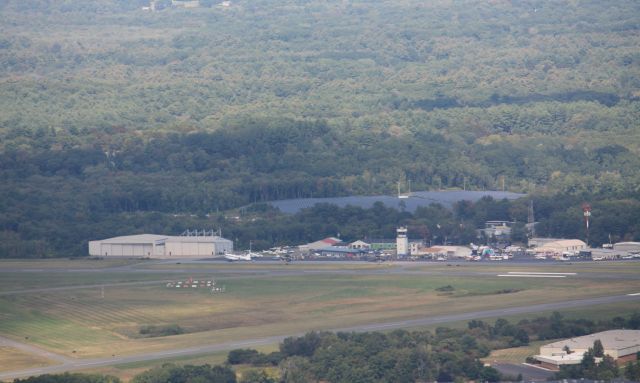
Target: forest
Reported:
[(116, 120)]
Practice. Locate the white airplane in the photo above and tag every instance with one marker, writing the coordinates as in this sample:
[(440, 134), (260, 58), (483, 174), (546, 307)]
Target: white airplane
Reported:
[(254, 255), (251, 254), (237, 257)]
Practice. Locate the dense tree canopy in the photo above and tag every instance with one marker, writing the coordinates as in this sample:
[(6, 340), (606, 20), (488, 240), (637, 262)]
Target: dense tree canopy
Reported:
[(187, 374), (109, 113)]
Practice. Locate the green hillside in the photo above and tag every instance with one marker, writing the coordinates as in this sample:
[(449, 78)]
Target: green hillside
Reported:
[(115, 119)]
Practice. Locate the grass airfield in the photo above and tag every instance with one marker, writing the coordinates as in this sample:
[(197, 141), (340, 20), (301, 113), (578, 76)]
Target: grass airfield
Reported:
[(96, 309)]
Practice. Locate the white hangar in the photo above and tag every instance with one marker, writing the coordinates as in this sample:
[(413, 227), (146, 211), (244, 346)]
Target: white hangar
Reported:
[(161, 246)]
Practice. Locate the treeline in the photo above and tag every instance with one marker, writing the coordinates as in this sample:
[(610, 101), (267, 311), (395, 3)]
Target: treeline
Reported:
[(167, 373), (266, 159), (50, 197), (45, 232), (70, 378), (399, 356)]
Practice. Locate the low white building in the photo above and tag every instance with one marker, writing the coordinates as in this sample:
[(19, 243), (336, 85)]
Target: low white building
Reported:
[(621, 345), (317, 245), (497, 229), (161, 246), (359, 245), (415, 247), (562, 246), (185, 3), (448, 252), (629, 247), (540, 241), (599, 254)]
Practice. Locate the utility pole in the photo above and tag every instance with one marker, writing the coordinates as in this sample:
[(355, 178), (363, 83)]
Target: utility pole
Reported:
[(531, 220)]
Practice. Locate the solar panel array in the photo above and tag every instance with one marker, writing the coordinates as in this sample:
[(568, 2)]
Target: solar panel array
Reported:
[(416, 199)]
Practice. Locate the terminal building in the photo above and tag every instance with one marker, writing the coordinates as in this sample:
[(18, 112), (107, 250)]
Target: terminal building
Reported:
[(161, 246), (622, 345)]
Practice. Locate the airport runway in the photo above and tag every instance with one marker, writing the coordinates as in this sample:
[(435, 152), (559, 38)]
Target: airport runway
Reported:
[(68, 364), (211, 267)]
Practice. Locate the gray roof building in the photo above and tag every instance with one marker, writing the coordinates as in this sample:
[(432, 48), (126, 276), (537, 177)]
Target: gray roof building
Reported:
[(621, 345), (161, 246)]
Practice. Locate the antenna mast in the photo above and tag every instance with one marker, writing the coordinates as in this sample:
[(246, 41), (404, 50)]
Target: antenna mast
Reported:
[(531, 220)]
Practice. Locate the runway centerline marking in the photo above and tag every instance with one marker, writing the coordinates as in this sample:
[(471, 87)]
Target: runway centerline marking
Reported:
[(539, 273), (532, 276)]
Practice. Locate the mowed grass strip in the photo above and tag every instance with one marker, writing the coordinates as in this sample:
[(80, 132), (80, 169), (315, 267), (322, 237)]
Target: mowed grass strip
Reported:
[(80, 263), (12, 359), (610, 267), (76, 310), (16, 281), (53, 333)]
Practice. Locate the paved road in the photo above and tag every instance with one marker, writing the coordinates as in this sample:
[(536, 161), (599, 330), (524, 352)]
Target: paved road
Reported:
[(71, 364)]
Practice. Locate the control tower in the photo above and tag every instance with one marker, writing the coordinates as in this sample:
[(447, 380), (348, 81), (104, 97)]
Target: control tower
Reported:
[(402, 242)]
